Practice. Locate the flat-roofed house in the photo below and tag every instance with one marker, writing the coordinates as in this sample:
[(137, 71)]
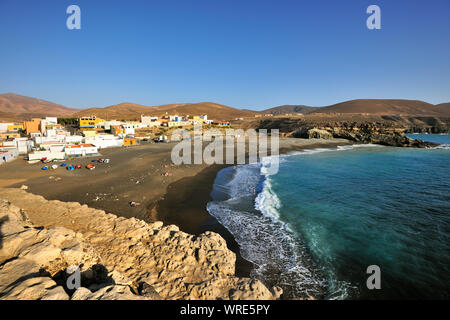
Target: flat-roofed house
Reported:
[(51, 120), (8, 154), (17, 127), (4, 126), (150, 121), (81, 150), (129, 141), (90, 122), (32, 126)]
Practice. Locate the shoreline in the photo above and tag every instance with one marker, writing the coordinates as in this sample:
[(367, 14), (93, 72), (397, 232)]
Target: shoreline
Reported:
[(185, 200), (137, 174), (184, 205)]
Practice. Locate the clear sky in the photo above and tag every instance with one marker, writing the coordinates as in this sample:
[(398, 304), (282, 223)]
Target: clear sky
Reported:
[(242, 53)]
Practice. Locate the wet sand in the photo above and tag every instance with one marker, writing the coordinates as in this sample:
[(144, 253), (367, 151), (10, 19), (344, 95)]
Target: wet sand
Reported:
[(144, 174)]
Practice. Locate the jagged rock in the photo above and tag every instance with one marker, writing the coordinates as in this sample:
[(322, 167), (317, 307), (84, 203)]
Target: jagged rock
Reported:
[(384, 131), (313, 133), (30, 256), (175, 264), (113, 292), (147, 290)]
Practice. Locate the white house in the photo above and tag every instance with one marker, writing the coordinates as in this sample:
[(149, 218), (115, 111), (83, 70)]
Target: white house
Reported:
[(128, 129), (21, 144), (38, 155), (104, 141), (150, 121), (81, 150), (7, 154), (73, 139), (51, 120), (4, 126), (108, 123)]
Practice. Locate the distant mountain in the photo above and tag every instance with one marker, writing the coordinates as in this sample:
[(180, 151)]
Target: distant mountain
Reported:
[(131, 111), (285, 109), (17, 107), (444, 108), (14, 107), (385, 107)]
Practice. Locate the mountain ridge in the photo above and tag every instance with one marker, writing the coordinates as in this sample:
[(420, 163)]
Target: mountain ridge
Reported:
[(14, 107)]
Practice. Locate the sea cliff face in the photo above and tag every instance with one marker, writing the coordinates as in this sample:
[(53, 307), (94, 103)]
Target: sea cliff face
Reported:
[(365, 133), (385, 130), (118, 258)]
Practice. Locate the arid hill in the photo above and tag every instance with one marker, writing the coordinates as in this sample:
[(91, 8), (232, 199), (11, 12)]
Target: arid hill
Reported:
[(131, 111), (444, 108), (285, 109), (385, 107), (14, 107), (17, 107)]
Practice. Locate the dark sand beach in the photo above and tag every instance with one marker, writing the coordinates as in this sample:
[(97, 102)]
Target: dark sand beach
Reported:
[(144, 174)]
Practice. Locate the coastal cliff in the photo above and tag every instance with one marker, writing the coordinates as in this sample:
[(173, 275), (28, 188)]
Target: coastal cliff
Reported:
[(389, 131), (365, 133), (118, 258)]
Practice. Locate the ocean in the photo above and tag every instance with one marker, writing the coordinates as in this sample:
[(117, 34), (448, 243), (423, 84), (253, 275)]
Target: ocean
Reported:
[(315, 226)]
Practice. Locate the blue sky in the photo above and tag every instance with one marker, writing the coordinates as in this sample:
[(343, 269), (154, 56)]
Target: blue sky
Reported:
[(246, 54)]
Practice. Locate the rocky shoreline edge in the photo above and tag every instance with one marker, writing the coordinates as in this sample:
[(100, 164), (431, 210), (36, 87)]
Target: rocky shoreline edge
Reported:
[(118, 258), (388, 133)]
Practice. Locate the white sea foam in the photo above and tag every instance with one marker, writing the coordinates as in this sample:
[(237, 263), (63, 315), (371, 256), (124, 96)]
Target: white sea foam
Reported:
[(263, 239), (267, 202), (442, 146), (280, 258), (354, 146), (338, 148)]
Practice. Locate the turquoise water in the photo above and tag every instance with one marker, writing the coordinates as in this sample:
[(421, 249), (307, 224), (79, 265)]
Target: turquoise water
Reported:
[(315, 226)]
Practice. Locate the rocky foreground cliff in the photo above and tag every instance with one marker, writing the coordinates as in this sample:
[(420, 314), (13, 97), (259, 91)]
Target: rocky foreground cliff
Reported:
[(118, 258)]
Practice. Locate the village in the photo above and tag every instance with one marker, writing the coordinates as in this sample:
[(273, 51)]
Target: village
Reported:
[(53, 139)]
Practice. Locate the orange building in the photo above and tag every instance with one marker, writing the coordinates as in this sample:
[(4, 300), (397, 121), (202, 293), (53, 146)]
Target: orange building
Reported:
[(129, 142), (116, 130), (32, 126)]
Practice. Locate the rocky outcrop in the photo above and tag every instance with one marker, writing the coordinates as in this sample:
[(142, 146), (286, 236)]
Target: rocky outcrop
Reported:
[(313, 134), (368, 133), (119, 258), (33, 260), (384, 133)]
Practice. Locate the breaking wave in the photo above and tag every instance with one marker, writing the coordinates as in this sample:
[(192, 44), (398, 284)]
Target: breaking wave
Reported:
[(244, 202)]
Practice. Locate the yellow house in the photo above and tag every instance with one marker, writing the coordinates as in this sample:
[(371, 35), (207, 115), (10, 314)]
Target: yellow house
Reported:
[(129, 142), (89, 122), (89, 133), (9, 135), (15, 127), (198, 119)]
